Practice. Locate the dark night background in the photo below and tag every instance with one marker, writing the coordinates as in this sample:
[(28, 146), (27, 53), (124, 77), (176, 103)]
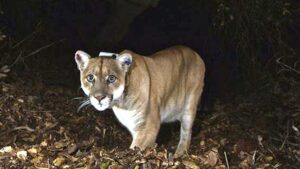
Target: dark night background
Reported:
[(251, 49), (153, 26)]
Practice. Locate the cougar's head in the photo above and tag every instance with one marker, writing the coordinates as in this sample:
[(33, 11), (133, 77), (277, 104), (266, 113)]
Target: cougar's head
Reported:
[(103, 78)]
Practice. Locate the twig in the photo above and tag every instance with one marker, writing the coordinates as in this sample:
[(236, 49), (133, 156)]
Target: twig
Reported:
[(277, 165), (287, 66), (227, 164), (253, 157), (286, 136), (296, 63), (32, 53), (37, 111), (16, 60), (42, 48), (23, 128), (25, 39), (103, 134), (293, 144)]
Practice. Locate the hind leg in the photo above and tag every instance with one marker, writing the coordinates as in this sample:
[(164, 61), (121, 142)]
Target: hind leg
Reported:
[(187, 120)]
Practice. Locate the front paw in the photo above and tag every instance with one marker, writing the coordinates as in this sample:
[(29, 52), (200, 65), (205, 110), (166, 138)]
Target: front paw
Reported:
[(180, 151), (135, 148)]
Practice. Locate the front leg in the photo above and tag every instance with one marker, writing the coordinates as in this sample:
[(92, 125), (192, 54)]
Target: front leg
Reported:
[(145, 135), (144, 138)]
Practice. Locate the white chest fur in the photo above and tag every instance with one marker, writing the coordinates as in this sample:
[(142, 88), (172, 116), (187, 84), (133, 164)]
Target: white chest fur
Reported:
[(129, 118)]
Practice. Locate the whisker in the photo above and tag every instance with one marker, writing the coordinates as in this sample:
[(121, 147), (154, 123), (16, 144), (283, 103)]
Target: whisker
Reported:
[(83, 104), (78, 98)]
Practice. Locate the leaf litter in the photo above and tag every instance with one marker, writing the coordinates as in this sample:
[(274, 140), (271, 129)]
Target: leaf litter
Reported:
[(41, 128)]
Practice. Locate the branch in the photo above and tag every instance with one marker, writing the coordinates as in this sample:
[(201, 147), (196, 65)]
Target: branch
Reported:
[(287, 66), (42, 48)]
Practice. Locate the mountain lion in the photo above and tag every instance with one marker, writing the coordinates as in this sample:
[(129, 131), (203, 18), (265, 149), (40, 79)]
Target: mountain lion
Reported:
[(144, 91)]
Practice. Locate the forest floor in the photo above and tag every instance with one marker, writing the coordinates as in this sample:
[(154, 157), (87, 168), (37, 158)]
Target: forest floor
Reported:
[(41, 128)]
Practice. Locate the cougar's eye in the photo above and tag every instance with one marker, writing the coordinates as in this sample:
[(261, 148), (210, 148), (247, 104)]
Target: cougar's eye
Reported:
[(111, 79), (90, 78)]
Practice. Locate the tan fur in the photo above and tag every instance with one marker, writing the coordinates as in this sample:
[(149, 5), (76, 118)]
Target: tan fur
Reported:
[(164, 87)]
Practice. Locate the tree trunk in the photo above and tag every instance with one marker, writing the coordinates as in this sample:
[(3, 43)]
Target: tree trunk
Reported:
[(123, 12)]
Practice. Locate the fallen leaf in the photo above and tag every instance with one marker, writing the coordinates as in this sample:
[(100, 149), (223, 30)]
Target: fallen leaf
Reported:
[(220, 167), (66, 166), (7, 149), (202, 143), (59, 161), (268, 158), (244, 164), (246, 145), (103, 165), (21, 100), (212, 157), (5, 89), (22, 155), (37, 160), (190, 164), (72, 148), (223, 141), (259, 139), (44, 143), (60, 144), (177, 163), (32, 151)]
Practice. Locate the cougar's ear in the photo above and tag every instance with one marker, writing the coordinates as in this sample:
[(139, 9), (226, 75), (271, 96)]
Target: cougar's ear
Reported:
[(125, 60), (81, 59)]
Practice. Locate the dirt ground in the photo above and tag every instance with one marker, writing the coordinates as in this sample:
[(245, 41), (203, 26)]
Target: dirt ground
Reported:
[(41, 128)]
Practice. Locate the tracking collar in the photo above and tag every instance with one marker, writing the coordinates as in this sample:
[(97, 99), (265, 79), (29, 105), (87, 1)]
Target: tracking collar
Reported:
[(108, 54)]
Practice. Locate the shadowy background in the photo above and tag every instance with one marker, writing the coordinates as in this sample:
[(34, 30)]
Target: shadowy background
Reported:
[(239, 40)]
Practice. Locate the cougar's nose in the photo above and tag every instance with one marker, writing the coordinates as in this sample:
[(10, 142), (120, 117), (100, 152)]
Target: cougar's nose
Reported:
[(99, 97)]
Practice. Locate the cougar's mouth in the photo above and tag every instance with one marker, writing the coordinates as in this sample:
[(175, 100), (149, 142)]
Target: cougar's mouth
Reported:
[(101, 105)]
